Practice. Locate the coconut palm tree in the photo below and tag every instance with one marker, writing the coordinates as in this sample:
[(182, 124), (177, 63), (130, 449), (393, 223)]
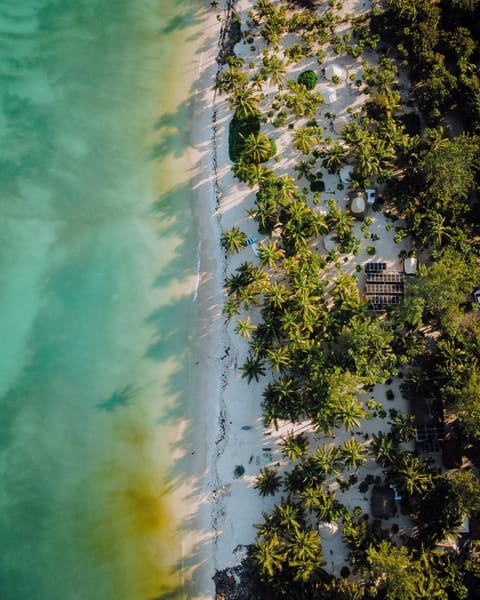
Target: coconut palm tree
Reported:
[(275, 69), (252, 368), (411, 474), (288, 516), (230, 80), (305, 138), (305, 553), (244, 102), (277, 295), (403, 427), (233, 240), (328, 508), (257, 173), (353, 453), (269, 553), (384, 448), (244, 328), (350, 412), (339, 220), (268, 482), (294, 446), (270, 254), (256, 148), (437, 229), (335, 158), (279, 358), (266, 214), (327, 459), (303, 169), (287, 188)]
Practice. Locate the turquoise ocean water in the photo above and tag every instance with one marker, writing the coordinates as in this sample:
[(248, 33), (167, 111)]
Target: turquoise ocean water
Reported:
[(96, 269)]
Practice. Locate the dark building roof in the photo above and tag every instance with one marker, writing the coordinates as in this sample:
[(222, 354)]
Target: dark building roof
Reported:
[(383, 287), (451, 453), (383, 502)]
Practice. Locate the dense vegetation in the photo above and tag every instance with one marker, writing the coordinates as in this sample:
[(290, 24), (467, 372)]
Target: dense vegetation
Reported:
[(314, 334)]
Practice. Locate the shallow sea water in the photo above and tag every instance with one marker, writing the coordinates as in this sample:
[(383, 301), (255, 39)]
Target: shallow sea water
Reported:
[(96, 269)]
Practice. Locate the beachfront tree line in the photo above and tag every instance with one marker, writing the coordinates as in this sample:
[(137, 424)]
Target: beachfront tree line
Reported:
[(316, 335)]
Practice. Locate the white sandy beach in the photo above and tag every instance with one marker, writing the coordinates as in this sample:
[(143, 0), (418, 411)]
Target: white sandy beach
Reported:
[(228, 424)]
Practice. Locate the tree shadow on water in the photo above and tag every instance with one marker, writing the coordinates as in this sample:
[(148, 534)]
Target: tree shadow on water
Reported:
[(173, 130), (186, 19), (120, 398)]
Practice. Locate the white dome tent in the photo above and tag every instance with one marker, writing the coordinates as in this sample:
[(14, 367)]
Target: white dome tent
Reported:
[(330, 95), (339, 124), (333, 71)]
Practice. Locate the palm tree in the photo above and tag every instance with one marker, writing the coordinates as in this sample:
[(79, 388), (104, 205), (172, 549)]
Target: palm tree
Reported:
[(257, 173), (279, 358), (268, 482), (244, 102), (305, 138), (335, 158), (350, 413), (288, 516), (287, 188), (294, 446), (384, 448), (233, 240), (305, 553), (403, 428), (269, 554), (270, 254), (303, 169), (256, 148), (275, 69), (437, 229), (266, 214), (328, 508), (411, 474), (230, 80), (353, 453), (277, 295), (244, 328), (327, 460), (339, 220), (252, 368)]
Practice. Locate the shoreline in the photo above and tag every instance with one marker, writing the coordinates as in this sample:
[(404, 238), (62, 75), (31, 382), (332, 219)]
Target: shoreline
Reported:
[(207, 325)]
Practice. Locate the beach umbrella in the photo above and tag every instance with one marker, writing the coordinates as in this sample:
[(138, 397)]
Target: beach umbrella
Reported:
[(327, 530)]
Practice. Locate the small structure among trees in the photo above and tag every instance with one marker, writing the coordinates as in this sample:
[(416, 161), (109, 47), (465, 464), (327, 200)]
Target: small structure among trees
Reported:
[(383, 502), (383, 287)]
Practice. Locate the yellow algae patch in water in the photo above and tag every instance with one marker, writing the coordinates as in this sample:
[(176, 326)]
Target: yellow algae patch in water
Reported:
[(133, 535)]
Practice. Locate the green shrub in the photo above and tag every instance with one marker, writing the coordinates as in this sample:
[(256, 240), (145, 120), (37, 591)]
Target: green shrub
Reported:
[(344, 572), (317, 186), (363, 488), (238, 130), (238, 471), (370, 250), (308, 78)]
